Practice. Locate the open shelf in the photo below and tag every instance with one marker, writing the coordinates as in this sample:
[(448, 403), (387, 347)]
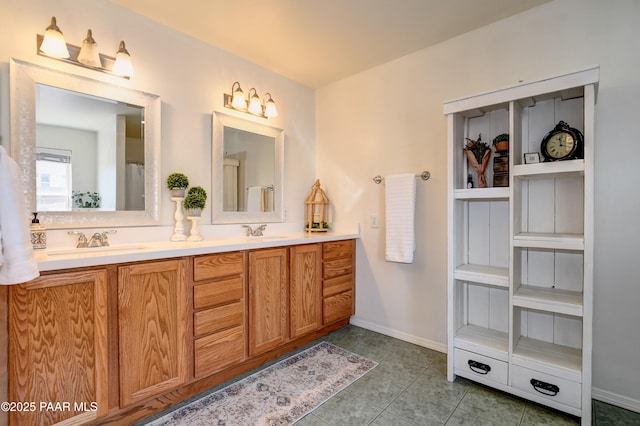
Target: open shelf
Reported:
[(482, 194), (548, 170), (549, 240), (483, 274), (483, 341), (560, 361), (549, 299)]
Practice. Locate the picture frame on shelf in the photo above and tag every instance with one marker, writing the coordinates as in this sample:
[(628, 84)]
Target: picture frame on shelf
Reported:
[(531, 158)]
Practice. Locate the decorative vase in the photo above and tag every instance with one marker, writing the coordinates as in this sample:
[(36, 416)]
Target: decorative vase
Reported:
[(178, 229), (194, 233), (502, 146), (178, 192)]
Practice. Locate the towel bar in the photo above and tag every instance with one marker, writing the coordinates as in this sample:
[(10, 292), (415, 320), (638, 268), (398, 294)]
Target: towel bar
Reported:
[(424, 176)]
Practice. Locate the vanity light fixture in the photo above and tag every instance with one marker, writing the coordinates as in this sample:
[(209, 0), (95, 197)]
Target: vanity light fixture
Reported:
[(53, 45), (265, 108)]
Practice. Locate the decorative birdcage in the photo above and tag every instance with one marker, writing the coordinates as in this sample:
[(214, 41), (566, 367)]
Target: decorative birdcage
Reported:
[(317, 210)]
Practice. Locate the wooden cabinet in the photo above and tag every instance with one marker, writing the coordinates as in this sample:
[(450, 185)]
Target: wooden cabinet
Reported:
[(152, 325), (305, 288), (338, 273), (268, 299), (520, 271), (219, 311), (58, 347)]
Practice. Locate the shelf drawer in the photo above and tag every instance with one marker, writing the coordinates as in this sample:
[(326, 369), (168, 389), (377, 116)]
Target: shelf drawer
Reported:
[(216, 319), (479, 367), (216, 351), (337, 285), (217, 293), (337, 249), (335, 268), (335, 308), (547, 386), (214, 266)]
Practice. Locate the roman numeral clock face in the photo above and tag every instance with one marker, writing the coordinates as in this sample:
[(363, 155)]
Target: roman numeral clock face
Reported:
[(562, 143)]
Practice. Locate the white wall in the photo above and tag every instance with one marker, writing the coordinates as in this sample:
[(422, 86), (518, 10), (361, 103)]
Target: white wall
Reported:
[(187, 74), (389, 120)]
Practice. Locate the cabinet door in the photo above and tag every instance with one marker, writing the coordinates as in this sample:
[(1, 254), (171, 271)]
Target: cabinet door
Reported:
[(268, 299), (306, 289), (58, 347), (152, 324)]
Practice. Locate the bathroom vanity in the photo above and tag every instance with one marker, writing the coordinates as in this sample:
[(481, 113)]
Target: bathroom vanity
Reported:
[(129, 331)]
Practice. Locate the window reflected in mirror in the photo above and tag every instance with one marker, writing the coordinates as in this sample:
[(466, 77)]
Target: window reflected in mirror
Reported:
[(89, 152)]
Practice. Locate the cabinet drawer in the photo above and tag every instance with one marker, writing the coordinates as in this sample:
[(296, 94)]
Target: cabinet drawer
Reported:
[(337, 285), (219, 350), (336, 249), (216, 319), (547, 386), (217, 293), (335, 268), (335, 308), (218, 265), (479, 367)]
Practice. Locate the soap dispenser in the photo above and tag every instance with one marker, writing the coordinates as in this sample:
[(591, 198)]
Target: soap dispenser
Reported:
[(38, 233)]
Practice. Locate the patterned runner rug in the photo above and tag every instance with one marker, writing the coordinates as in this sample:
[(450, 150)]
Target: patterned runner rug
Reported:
[(278, 395)]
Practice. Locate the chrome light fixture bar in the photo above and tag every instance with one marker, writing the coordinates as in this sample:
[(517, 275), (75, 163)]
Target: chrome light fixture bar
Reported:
[(253, 105), (53, 45)]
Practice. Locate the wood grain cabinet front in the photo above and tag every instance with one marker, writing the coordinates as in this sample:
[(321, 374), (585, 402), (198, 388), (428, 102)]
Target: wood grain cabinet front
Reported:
[(219, 312), (338, 273), (305, 289), (152, 328), (58, 348), (268, 299)]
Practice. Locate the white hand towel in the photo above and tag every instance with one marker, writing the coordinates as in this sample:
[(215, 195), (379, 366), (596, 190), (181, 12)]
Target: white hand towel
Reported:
[(254, 199), (400, 200), (17, 263)]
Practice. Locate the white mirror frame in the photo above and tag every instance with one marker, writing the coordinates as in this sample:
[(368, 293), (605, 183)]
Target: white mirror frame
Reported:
[(220, 121), (23, 79)]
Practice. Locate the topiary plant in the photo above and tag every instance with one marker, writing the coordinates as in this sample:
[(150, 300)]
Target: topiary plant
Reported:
[(177, 180), (503, 137), (196, 198)]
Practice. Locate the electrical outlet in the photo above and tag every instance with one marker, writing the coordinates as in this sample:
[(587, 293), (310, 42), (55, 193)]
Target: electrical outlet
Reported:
[(375, 221)]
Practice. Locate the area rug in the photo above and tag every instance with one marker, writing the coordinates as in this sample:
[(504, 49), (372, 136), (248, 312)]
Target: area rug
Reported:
[(278, 395)]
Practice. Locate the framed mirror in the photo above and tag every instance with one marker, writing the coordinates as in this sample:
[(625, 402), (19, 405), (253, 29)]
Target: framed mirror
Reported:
[(89, 151), (247, 171)]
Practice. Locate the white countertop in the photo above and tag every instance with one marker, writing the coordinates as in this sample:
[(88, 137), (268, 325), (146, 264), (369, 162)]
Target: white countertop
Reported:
[(57, 258)]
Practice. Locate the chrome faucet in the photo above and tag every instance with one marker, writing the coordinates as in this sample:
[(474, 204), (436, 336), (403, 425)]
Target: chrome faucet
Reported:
[(255, 232), (99, 239), (82, 239)]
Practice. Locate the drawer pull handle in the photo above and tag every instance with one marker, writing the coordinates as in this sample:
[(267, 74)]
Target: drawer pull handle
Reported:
[(545, 388), (478, 367)]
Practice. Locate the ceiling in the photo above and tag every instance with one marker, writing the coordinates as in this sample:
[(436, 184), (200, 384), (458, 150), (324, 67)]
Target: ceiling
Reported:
[(316, 42)]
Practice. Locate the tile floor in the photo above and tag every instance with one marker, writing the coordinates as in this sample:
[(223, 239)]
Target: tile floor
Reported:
[(409, 387)]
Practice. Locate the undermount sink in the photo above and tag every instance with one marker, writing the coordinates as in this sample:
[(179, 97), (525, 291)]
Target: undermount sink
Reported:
[(265, 238), (96, 250)]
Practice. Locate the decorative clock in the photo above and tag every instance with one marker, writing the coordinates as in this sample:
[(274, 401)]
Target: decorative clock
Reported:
[(562, 143)]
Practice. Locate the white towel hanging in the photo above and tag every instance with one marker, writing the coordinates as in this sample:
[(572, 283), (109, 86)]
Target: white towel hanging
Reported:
[(400, 197), (17, 263)]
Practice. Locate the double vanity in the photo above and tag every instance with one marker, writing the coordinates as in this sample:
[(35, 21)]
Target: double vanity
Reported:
[(113, 334), (124, 331)]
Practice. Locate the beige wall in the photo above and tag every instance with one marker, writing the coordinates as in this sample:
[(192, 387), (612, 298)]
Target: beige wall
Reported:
[(389, 120)]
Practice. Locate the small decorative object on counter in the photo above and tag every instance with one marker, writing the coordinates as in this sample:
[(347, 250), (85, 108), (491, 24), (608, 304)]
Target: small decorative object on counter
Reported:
[(317, 210), (177, 184), (38, 233), (563, 142), (469, 182), (501, 142), (194, 202), (478, 154)]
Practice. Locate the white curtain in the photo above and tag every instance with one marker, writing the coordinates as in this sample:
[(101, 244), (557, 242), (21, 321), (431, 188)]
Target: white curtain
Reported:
[(134, 187)]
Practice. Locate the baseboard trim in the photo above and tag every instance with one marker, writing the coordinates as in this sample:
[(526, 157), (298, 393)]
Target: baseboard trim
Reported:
[(420, 341), (615, 399)]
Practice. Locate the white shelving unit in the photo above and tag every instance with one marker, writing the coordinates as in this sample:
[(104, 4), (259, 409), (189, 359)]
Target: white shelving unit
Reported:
[(520, 280)]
